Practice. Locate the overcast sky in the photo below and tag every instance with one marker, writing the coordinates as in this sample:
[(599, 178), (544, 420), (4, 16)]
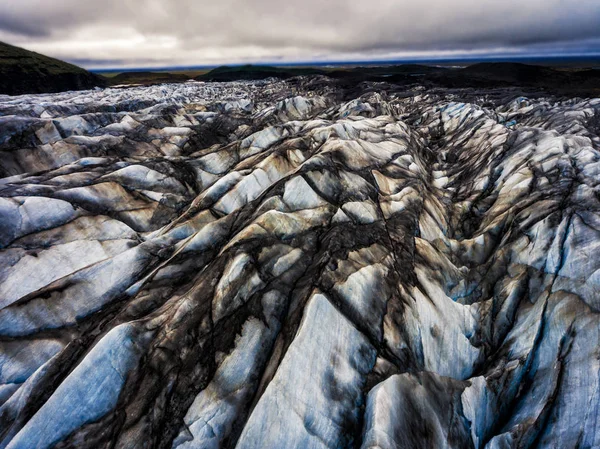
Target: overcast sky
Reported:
[(146, 33)]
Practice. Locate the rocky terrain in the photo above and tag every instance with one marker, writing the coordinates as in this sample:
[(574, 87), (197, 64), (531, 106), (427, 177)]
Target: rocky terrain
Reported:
[(299, 264)]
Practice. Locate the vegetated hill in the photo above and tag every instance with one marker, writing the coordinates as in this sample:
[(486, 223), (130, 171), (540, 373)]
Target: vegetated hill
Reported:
[(360, 73), (402, 69), (147, 78), (396, 74), (23, 71), (498, 74), (511, 72), (256, 72), (515, 74)]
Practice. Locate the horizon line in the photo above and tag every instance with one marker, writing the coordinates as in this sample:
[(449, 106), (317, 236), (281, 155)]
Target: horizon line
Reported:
[(373, 62)]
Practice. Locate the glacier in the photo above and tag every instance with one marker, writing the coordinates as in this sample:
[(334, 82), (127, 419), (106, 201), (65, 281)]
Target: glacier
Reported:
[(299, 264)]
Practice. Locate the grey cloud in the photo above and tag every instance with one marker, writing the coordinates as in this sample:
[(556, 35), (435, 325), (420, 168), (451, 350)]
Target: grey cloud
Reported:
[(202, 31)]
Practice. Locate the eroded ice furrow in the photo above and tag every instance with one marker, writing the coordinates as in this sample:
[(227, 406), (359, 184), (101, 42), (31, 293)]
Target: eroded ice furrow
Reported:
[(230, 265)]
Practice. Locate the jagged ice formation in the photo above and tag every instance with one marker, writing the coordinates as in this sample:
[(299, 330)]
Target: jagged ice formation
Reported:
[(293, 264)]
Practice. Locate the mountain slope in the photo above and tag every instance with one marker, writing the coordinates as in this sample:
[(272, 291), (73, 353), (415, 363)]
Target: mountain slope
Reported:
[(256, 72), (23, 71), (148, 78)]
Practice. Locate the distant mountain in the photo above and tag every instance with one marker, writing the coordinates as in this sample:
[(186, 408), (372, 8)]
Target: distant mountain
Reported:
[(498, 74), (482, 75), (147, 78), (256, 72), (23, 71), (514, 73)]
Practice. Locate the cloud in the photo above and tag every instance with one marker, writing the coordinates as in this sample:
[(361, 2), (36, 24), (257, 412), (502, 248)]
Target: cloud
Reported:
[(189, 32)]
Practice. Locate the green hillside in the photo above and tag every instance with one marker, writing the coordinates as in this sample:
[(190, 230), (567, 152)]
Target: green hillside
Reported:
[(23, 71)]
